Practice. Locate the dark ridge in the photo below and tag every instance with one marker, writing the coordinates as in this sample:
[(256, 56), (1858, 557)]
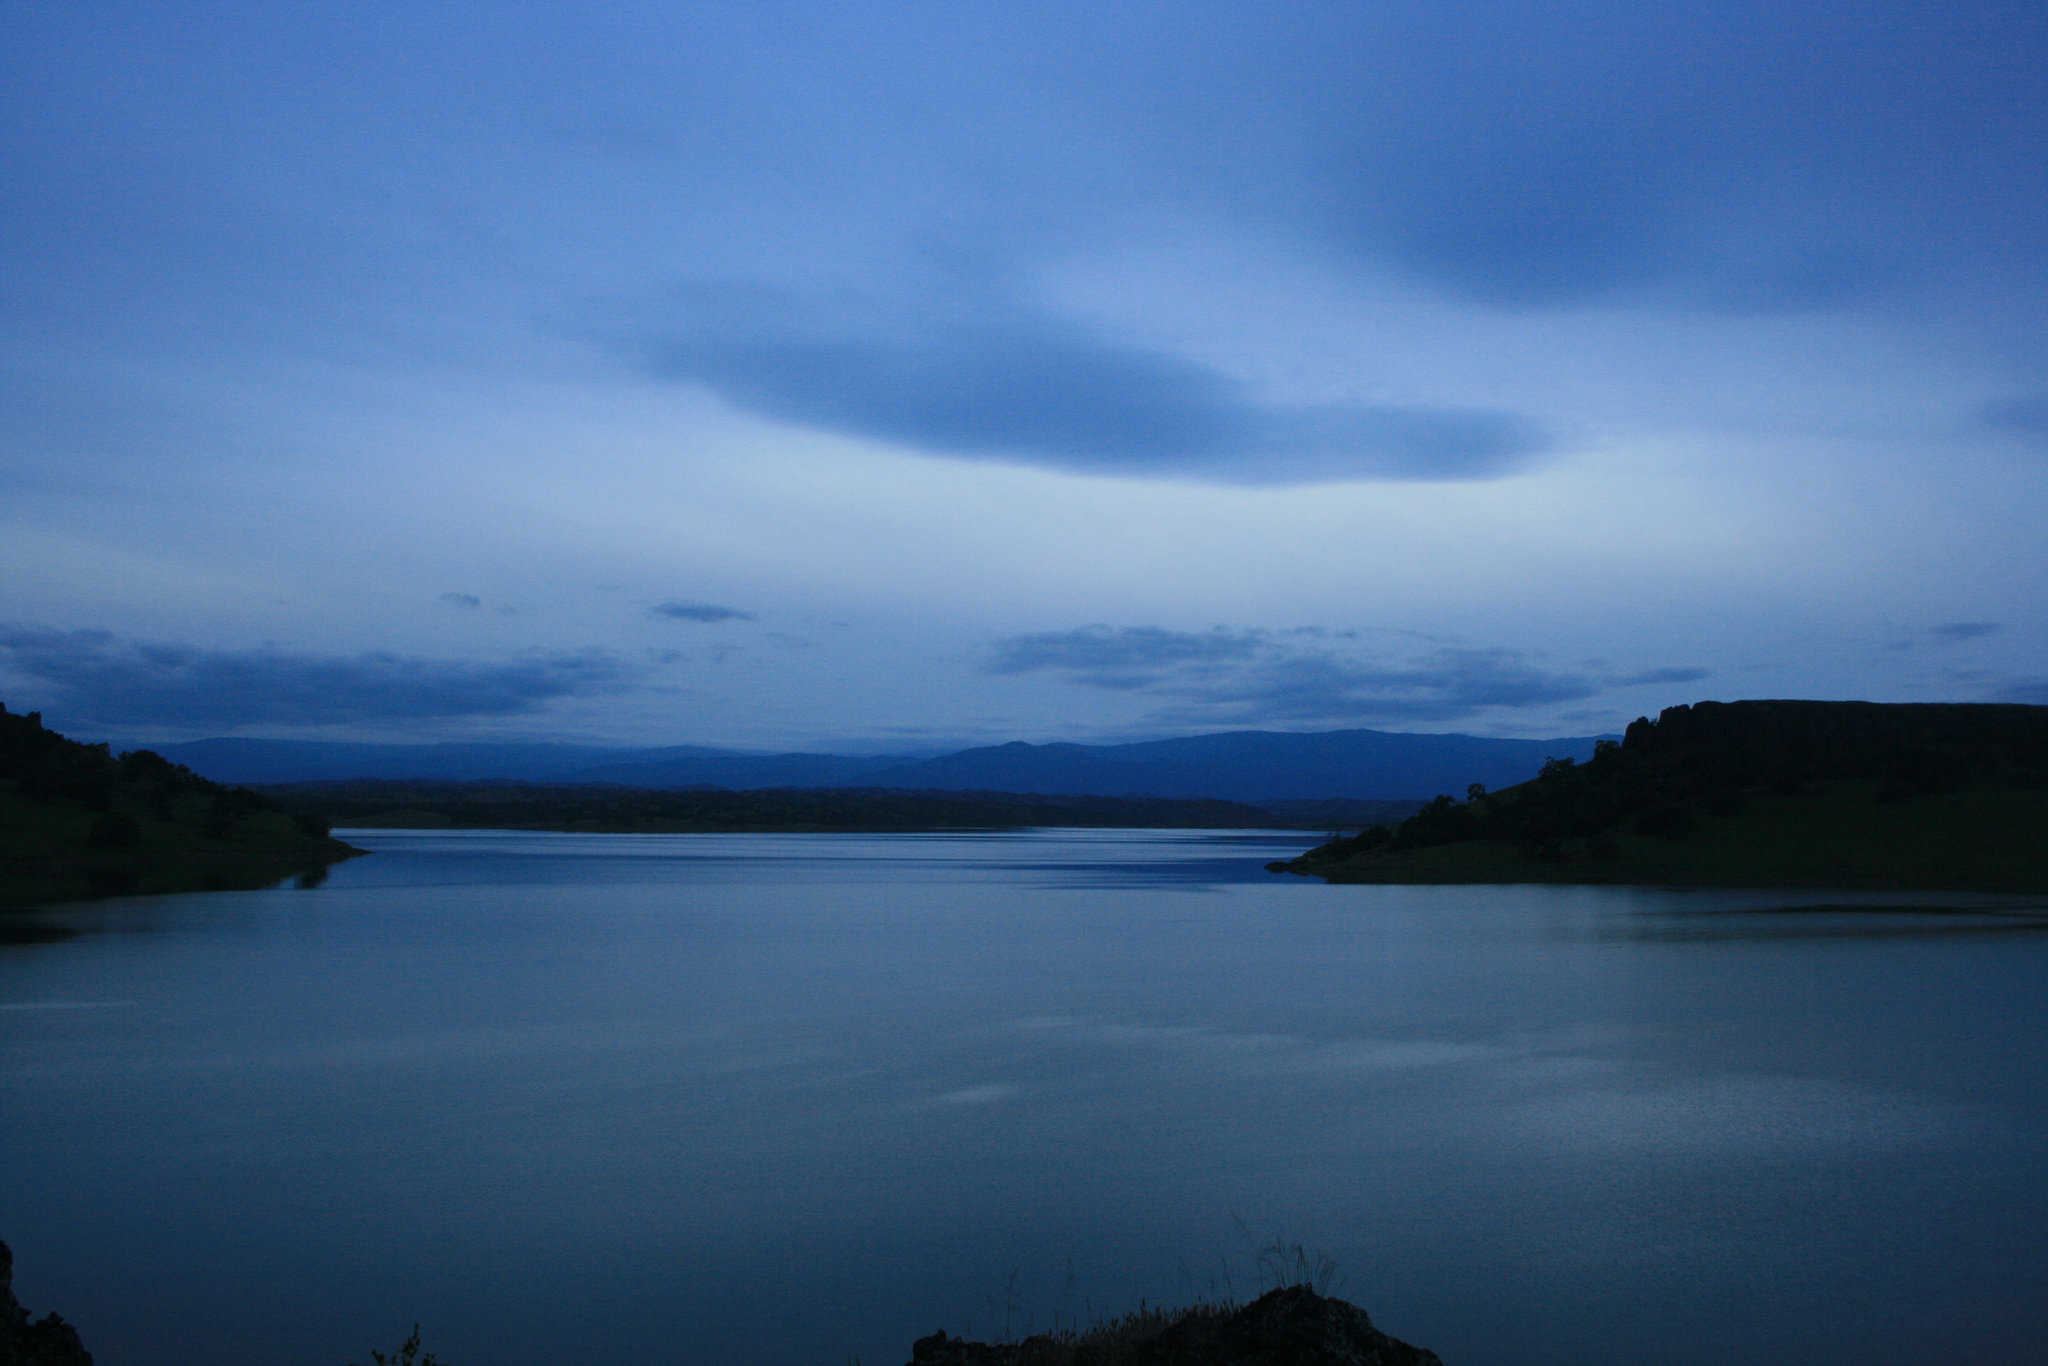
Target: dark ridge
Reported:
[(1289, 1327), (519, 806), (1338, 813), (1240, 766), (1923, 745)]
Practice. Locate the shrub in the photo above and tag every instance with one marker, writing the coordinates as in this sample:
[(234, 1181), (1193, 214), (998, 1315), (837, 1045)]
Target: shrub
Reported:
[(407, 1353)]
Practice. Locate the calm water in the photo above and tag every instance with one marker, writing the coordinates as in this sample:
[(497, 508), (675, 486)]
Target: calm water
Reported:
[(614, 1099)]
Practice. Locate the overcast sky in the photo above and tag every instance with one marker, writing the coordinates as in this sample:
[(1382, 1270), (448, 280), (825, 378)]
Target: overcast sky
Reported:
[(902, 376)]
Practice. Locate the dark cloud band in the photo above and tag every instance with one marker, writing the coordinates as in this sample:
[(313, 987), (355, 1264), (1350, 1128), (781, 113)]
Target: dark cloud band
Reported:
[(109, 681), (1010, 384), (1231, 677), (1650, 676), (699, 611), (1131, 657)]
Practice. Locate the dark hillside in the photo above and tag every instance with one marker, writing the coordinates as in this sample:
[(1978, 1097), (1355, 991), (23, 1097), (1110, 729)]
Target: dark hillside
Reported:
[(77, 822), (1792, 792), (1909, 746)]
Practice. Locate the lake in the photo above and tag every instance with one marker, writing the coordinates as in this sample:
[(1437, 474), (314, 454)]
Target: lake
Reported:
[(574, 1099)]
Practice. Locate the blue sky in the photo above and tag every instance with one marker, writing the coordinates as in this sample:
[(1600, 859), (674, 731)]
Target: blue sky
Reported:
[(912, 375)]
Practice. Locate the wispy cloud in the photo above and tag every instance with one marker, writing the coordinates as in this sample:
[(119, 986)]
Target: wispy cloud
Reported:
[(100, 678), (994, 379), (1245, 677), (1650, 676), (678, 610), (2032, 691), (1126, 657), (1958, 631), (466, 601)]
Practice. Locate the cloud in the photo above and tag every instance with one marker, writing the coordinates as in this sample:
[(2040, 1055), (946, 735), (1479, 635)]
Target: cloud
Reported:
[(1232, 677), (1559, 204), (109, 681), (2026, 416), (1441, 686), (1739, 157), (989, 379), (699, 611), (2033, 692), (1123, 658), (1649, 676), (1958, 631), (467, 601)]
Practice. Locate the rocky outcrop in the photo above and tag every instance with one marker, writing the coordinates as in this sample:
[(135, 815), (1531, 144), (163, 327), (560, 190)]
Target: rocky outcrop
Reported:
[(1293, 1326), (47, 1341)]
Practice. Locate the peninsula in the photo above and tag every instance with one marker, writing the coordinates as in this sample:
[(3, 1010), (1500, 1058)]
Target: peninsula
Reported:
[(1903, 796), (77, 822)]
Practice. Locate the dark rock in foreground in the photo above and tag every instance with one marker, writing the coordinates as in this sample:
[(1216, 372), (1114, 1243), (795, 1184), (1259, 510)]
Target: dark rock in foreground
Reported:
[(48, 1341), (1290, 1327)]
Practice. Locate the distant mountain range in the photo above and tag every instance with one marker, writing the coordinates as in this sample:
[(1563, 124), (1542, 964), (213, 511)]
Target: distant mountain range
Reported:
[(1243, 766)]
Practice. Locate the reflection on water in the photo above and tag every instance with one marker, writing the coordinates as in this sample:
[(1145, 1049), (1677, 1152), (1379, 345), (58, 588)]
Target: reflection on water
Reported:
[(777, 1098), (26, 927), (1856, 916), (1108, 857)]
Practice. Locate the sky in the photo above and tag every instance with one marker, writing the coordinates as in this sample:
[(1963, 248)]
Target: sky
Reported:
[(899, 377)]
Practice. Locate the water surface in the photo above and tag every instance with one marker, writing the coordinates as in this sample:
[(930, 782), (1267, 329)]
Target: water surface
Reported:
[(771, 1098)]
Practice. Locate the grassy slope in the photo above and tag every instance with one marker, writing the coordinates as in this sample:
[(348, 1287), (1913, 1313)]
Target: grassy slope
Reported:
[(44, 855), (1979, 837)]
